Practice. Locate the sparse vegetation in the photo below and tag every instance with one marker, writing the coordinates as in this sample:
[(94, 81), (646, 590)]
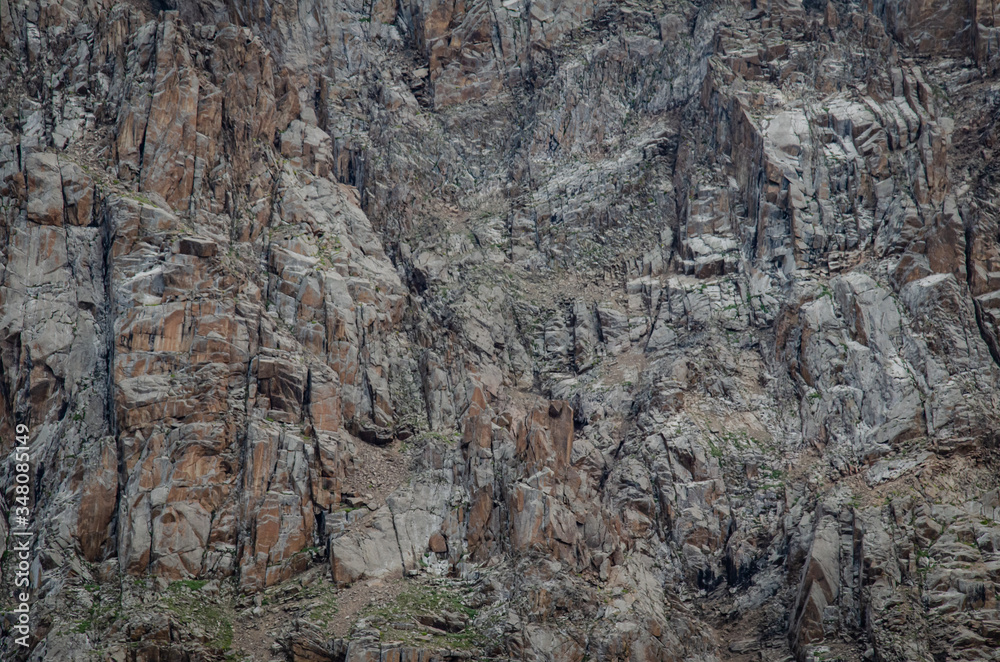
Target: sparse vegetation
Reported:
[(193, 610), (418, 600)]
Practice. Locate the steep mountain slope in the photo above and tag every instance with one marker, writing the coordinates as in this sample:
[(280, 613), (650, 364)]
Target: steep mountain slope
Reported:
[(546, 329)]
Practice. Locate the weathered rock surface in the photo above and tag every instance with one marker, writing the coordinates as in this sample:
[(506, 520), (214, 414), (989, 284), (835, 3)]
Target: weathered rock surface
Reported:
[(554, 330)]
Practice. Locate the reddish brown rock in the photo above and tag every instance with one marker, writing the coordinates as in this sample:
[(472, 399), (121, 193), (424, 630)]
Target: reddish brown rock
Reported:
[(437, 544), (324, 399), (98, 501), (546, 439), (196, 247), (170, 135), (45, 188), (78, 194)]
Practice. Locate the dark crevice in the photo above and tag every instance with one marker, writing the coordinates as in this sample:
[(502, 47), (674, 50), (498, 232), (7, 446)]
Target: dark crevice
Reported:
[(106, 321), (990, 338)]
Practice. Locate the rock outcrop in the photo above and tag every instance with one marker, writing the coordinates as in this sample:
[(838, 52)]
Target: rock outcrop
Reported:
[(554, 330)]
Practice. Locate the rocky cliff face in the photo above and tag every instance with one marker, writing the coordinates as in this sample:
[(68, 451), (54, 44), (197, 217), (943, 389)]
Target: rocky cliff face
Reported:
[(551, 330)]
